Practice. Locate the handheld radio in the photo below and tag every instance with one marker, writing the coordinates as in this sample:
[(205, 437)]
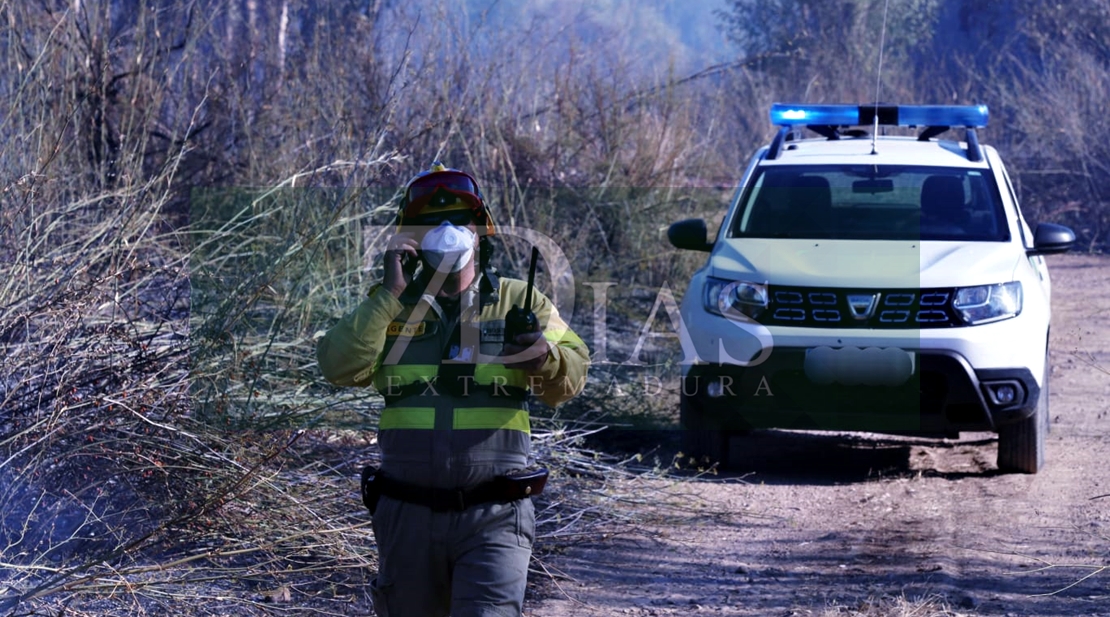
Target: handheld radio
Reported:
[(521, 319)]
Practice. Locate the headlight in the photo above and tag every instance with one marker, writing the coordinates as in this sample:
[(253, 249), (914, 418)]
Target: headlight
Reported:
[(987, 303), (734, 299)]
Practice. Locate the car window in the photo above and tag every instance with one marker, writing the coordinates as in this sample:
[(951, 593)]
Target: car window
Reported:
[(872, 202)]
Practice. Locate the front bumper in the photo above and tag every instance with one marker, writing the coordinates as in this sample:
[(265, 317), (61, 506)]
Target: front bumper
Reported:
[(942, 395)]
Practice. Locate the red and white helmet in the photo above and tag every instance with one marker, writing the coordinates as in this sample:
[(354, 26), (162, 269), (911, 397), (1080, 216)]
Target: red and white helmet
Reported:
[(440, 194)]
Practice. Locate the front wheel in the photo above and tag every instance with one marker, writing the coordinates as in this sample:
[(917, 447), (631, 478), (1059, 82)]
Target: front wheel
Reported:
[(703, 437), (1021, 445)]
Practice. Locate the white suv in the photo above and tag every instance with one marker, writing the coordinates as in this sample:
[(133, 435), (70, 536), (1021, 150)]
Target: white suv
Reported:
[(865, 282)]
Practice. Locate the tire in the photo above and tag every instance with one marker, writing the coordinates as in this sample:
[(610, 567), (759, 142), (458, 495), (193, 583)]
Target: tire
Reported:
[(703, 438), (1021, 445), (1046, 393)]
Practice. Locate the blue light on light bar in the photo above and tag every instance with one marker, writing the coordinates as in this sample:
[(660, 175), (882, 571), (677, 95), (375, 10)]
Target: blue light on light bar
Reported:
[(833, 115), (970, 116)]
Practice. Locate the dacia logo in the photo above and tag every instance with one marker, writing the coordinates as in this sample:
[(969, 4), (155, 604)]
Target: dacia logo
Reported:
[(863, 305)]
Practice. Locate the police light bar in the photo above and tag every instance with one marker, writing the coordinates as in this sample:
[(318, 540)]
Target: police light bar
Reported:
[(969, 116)]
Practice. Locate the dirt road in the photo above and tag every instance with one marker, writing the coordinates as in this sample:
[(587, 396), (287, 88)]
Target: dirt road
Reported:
[(809, 522)]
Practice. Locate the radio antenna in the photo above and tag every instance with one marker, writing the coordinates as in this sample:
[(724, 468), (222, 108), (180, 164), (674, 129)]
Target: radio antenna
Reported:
[(879, 78)]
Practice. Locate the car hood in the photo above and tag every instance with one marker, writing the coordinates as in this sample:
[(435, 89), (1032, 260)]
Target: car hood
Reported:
[(853, 263)]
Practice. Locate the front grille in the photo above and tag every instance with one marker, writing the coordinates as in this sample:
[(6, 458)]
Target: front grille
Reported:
[(817, 307)]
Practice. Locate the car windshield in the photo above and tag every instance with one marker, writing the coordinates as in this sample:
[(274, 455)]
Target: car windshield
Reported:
[(872, 202)]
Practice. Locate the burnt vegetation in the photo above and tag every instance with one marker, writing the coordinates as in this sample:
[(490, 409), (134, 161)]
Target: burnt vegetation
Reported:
[(192, 190)]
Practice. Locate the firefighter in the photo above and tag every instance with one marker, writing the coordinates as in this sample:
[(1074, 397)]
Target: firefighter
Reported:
[(451, 502)]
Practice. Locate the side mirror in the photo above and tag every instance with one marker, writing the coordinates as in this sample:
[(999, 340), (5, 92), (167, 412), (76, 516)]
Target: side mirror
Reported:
[(690, 234), (1049, 239)]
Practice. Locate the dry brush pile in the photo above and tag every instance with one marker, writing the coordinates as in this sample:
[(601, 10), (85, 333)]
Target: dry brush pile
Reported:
[(166, 435)]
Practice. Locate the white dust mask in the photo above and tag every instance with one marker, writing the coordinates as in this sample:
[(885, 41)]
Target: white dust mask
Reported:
[(448, 248)]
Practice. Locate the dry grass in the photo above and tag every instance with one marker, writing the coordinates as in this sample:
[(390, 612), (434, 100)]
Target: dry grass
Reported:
[(895, 606), (165, 438)]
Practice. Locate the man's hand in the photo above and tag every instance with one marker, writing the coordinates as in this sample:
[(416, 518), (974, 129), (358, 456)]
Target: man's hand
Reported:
[(403, 248), (531, 347)]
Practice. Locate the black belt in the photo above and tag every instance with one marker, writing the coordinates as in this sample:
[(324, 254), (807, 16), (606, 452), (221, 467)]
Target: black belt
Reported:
[(502, 489)]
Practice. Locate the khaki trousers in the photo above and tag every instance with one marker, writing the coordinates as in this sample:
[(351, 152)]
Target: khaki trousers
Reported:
[(463, 564)]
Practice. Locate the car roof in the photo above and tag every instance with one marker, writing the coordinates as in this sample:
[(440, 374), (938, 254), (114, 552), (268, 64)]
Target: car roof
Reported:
[(888, 150)]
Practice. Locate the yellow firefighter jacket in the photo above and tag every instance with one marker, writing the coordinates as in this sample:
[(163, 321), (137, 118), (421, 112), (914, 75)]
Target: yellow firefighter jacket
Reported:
[(455, 416)]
